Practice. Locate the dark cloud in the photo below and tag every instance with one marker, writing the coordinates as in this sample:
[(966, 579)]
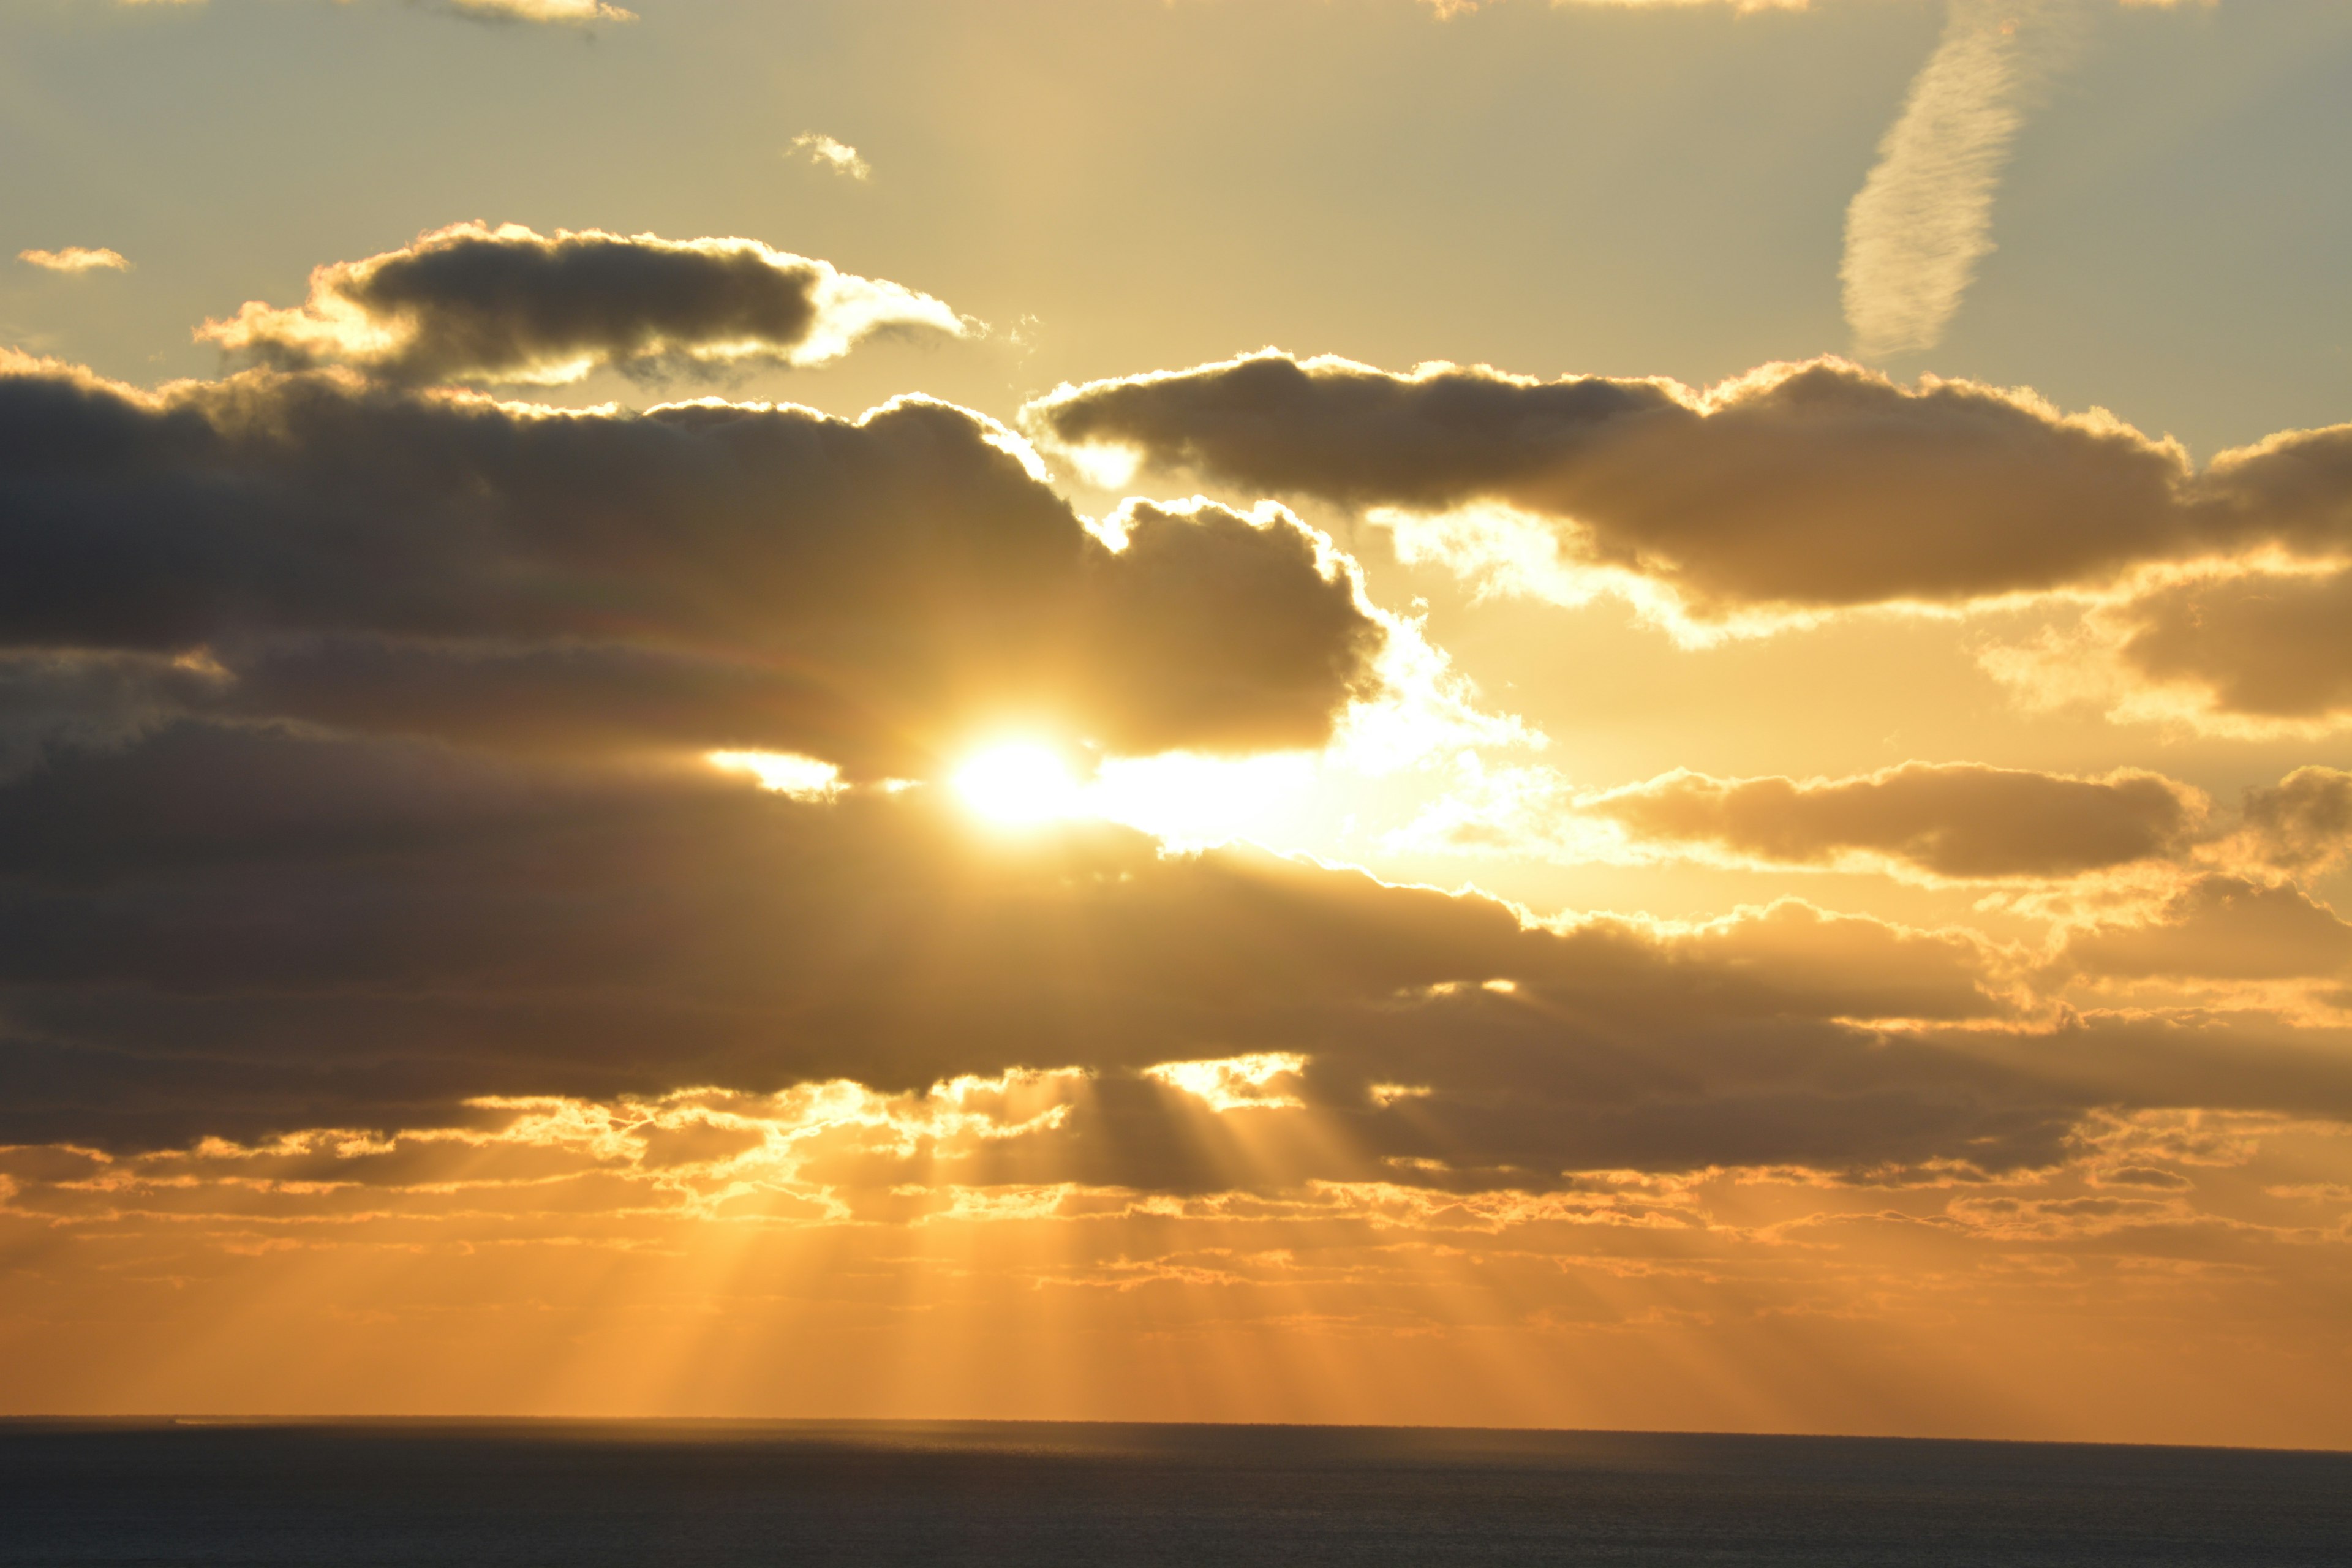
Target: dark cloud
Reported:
[(242, 930), (2221, 928), (2259, 647), (1819, 485), (1958, 820), (701, 576), (476, 303)]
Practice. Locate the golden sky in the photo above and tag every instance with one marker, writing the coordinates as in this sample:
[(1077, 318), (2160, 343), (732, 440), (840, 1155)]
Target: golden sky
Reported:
[(1623, 715)]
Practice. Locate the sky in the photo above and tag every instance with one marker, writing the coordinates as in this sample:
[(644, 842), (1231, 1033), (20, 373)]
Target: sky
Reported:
[(1592, 714)]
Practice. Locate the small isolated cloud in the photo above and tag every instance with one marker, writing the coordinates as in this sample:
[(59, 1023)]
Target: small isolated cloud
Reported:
[(827, 152), (573, 11), (475, 303), (1923, 219), (76, 258)]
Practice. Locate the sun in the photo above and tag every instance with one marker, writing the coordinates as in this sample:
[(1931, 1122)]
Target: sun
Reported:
[(1018, 784)]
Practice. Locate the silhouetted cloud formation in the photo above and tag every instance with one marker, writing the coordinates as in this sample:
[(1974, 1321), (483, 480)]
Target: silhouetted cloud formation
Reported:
[(698, 576), (354, 774), (474, 303), (241, 930), (1796, 487)]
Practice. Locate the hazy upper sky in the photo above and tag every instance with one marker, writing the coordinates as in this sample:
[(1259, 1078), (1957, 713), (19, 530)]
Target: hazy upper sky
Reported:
[(1612, 714)]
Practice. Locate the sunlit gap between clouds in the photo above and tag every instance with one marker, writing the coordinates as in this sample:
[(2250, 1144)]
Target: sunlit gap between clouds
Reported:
[(1019, 784), (1388, 759)]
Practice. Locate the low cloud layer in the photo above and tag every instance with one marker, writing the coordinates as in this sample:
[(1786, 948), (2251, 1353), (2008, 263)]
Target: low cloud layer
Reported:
[(249, 929), (1796, 488), (472, 303)]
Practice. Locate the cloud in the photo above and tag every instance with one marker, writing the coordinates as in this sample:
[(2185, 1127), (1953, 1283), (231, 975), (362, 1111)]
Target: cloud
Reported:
[(1962, 821), (237, 930), (827, 153), (74, 258), (1445, 8), (561, 12), (2222, 928), (1814, 485), (2253, 651), (2264, 647), (1794, 490), (872, 592), (245, 927), (241, 931), (474, 303), (2304, 820), (1923, 218)]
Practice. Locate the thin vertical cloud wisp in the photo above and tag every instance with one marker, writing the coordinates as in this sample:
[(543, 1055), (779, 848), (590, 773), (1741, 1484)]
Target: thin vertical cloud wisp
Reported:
[(1923, 219)]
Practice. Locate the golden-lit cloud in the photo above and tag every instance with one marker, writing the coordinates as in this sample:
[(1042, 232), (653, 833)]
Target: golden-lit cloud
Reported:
[(475, 303), (74, 258), (2255, 647), (2303, 822), (1955, 820), (827, 152), (662, 883), (559, 12), (571, 11), (2247, 652)]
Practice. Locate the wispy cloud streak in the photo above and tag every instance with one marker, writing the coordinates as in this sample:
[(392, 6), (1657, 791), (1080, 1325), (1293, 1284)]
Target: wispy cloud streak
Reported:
[(1923, 219)]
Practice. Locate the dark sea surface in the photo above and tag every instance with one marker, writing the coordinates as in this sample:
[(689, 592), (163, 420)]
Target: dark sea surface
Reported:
[(642, 1495)]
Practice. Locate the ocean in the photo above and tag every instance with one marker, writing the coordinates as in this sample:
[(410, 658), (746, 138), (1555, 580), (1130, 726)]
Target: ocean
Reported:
[(707, 1494)]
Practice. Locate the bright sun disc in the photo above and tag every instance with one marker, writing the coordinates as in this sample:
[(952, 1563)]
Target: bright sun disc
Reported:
[(1017, 784)]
